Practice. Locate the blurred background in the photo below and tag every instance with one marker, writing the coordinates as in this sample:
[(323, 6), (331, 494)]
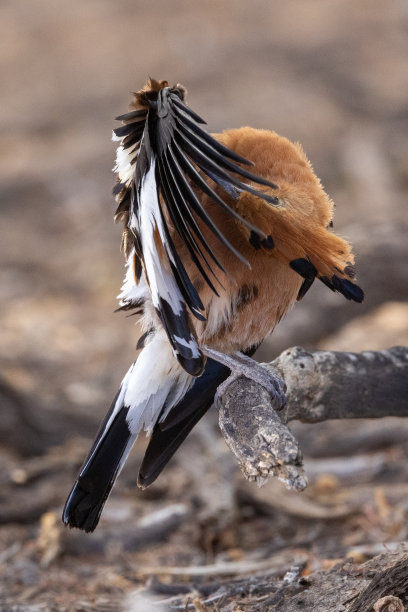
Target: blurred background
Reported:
[(328, 73)]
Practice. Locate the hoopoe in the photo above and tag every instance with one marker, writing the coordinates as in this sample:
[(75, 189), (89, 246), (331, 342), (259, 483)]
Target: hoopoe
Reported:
[(222, 234)]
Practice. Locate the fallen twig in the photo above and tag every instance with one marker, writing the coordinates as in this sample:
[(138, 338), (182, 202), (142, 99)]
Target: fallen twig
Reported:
[(276, 562)]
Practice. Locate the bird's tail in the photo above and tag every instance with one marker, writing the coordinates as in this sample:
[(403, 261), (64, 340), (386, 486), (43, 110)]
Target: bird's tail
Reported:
[(171, 431), (152, 386)]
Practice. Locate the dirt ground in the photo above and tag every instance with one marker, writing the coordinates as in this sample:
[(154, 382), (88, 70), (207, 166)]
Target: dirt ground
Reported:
[(332, 74)]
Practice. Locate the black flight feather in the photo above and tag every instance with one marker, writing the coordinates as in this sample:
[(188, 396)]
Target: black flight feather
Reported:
[(137, 114), (350, 290), (170, 433), (174, 160), (97, 476), (182, 226)]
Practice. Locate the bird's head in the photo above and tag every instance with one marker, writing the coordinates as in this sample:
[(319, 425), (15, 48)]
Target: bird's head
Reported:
[(149, 93)]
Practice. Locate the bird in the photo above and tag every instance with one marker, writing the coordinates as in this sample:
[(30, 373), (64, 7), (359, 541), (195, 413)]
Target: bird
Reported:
[(222, 234)]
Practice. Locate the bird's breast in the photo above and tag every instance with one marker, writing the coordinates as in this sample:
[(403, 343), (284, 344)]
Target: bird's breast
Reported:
[(244, 313)]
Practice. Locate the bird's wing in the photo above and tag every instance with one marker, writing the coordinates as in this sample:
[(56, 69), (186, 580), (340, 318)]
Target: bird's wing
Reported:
[(164, 161)]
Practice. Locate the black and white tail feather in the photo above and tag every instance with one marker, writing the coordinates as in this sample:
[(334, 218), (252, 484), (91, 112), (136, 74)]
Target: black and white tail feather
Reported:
[(164, 159), (163, 154), (153, 385)]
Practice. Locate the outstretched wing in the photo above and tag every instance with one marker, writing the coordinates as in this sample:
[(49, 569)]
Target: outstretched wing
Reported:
[(165, 158)]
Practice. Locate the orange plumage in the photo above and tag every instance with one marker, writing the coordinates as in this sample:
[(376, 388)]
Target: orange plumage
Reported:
[(216, 255), (298, 227)]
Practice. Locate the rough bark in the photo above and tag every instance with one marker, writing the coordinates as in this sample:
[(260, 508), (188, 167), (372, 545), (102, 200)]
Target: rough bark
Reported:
[(379, 585), (331, 385), (321, 385)]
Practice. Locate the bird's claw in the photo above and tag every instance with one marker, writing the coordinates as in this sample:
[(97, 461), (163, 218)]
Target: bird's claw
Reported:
[(242, 365), (275, 386)]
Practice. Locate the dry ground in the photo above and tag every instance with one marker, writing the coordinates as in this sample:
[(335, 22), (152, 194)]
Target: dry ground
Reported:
[(330, 73)]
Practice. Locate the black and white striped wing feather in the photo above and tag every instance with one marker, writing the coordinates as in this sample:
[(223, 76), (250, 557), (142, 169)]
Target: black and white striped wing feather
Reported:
[(163, 154)]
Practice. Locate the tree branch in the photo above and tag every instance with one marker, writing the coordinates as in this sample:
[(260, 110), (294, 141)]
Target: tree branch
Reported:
[(330, 385), (321, 385)]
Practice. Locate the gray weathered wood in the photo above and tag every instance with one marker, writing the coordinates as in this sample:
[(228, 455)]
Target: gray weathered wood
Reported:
[(321, 385), (325, 385)]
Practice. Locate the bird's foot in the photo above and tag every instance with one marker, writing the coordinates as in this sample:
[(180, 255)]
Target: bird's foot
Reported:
[(242, 365)]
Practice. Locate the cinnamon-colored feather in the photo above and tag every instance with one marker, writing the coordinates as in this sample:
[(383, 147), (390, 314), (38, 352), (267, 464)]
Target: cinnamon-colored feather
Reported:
[(222, 234)]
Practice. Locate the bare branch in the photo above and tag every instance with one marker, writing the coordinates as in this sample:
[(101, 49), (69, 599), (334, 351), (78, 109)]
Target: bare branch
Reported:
[(321, 385), (263, 445), (324, 385)]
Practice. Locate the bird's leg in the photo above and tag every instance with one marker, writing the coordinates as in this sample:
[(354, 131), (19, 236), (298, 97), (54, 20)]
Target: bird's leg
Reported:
[(242, 365)]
